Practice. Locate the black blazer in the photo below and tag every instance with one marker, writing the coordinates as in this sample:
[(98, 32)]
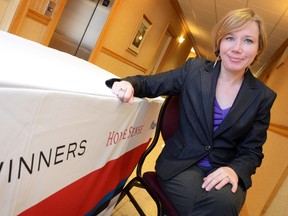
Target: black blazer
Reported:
[(236, 143)]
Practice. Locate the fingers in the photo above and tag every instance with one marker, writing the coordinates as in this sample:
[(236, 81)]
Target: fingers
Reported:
[(234, 187), (219, 178), (124, 91), (223, 182), (125, 95), (217, 181)]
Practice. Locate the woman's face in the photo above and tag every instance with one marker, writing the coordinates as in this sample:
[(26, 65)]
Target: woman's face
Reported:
[(239, 48)]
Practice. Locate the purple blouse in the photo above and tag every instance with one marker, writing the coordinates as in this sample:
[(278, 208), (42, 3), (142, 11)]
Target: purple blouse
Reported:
[(219, 115)]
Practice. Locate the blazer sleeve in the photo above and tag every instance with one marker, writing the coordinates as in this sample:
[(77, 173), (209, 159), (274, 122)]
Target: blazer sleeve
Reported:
[(250, 155), (165, 83)]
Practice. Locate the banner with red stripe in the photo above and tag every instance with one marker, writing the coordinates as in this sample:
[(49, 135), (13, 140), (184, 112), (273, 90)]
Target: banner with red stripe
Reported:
[(83, 195)]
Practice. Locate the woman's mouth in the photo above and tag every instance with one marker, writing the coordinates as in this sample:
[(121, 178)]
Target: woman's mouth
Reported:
[(235, 59)]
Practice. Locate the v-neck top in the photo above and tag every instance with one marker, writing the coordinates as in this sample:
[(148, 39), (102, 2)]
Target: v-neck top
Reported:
[(219, 114)]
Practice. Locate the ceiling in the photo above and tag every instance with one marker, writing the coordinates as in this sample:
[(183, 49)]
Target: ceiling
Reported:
[(202, 15)]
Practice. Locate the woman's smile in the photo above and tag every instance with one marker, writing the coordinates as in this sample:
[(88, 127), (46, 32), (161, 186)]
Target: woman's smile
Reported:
[(239, 48)]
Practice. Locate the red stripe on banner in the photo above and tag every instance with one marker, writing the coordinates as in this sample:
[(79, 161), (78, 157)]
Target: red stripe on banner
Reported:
[(82, 196)]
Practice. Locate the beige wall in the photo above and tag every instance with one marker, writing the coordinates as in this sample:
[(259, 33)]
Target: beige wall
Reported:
[(278, 81), (3, 7), (7, 10), (273, 171), (122, 23), (111, 49)]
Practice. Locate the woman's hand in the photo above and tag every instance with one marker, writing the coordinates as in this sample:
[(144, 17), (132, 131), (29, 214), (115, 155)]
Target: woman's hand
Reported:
[(124, 90), (219, 178)]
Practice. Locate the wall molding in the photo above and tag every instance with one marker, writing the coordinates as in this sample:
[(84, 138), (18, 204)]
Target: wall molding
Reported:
[(279, 129), (185, 26), (275, 191), (267, 69), (38, 17), (122, 59)]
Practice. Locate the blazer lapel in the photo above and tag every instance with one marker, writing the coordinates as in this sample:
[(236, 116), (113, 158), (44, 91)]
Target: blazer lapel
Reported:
[(244, 98), (208, 82)]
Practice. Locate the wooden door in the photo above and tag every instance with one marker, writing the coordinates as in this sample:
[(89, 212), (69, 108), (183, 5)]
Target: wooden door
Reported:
[(36, 20)]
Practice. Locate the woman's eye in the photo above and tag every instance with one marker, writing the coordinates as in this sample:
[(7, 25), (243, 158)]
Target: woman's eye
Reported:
[(229, 38), (249, 41)]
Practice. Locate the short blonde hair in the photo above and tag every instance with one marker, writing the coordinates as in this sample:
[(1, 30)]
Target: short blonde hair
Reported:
[(235, 20)]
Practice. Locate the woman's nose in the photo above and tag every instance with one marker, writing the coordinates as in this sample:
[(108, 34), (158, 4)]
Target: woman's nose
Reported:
[(237, 46)]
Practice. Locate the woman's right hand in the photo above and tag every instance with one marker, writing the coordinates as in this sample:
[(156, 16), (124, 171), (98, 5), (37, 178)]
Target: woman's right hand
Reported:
[(124, 91)]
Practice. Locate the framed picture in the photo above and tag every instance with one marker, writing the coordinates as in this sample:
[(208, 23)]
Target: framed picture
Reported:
[(139, 35)]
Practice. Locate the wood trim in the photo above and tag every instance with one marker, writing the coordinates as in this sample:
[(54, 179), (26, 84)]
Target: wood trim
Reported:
[(279, 129), (264, 73), (283, 131), (58, 10), (39, 5), (170, 31), (181, 16), (38, 17), (97, 48), (122, 59), (275, 191), (19, 16)]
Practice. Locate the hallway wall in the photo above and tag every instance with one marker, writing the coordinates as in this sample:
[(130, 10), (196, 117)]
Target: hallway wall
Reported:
[(7, 9), (278, 82), (80, 26), (112, 51), (274, 169)]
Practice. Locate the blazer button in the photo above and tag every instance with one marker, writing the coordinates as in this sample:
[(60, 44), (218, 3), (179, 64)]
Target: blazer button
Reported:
[(207, 148)]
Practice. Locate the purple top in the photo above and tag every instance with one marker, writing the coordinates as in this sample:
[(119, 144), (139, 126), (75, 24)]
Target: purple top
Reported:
[(219, 115)]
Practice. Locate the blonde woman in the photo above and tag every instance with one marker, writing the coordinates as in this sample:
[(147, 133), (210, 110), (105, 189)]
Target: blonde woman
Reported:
[(206, 167)]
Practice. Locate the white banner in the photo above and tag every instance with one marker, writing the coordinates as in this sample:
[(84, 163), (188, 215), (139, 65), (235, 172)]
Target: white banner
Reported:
[(67, 143)]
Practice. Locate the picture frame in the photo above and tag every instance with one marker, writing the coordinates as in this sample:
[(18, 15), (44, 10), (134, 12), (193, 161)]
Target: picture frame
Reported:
[(139, 35)]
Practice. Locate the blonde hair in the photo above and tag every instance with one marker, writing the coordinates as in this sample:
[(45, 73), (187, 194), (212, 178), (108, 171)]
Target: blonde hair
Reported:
[(235, 20)]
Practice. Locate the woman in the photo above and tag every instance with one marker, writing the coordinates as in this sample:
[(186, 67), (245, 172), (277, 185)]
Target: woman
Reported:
[(206, 167)]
